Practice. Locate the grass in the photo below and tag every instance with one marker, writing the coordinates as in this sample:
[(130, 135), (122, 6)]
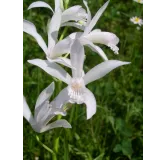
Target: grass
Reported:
[(115, 131)]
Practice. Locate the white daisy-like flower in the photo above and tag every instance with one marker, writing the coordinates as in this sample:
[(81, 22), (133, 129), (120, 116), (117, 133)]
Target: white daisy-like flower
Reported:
[(139, 1), (136, 20)]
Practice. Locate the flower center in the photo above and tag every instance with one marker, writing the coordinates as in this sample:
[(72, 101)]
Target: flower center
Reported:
[(76, 90), (137, 19)]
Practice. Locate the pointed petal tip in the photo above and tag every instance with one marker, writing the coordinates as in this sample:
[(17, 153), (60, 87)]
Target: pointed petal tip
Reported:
[(125, 63), (66, 124), (90, 116), (30, 61), (106, 3), (69, 126), (52, 85)]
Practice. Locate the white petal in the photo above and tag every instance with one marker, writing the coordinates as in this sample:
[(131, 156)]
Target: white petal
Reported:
[(59, 123), (40, 4), (53, 28), (72, 10), (61, 48), (89, 13), (75, 35), (73, 24), (62, 60), (57, 4), (53, 69), (42, 112), (102, 69), (77, 56), (95, 18), (105, 38), (27, 113), (74, 13), (96, 30), (60, 100), (90, 102), (30, 28), (45, 95), (93, 47)]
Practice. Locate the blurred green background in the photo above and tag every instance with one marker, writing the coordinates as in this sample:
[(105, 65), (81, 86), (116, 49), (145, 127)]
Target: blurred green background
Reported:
[(115, 132)]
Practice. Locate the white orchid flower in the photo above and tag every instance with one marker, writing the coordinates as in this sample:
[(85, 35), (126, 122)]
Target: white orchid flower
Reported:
[(43, 112), (75, 13), (76, 91), (89, 36), (53, 48)]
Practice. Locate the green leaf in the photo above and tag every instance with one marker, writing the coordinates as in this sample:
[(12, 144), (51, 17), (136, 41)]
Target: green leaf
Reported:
[(122, 127), (127, 147), (117, 148), (100, 157)]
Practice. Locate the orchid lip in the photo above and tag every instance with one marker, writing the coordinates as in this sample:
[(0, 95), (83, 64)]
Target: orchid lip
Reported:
[(76, 90)]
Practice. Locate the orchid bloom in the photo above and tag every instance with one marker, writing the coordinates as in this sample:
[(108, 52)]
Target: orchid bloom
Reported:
[(53, 28), (89, 36), (43, 112), (75, 13), (56, 49), (76, 91)]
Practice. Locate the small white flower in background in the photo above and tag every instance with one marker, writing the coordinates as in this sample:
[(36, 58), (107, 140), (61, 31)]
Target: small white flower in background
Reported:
[(138, 28), (76, 91), (89, 36), (36, 158), (75, 13), (139, 1), (118, 12), (43, 112), (136, 20)]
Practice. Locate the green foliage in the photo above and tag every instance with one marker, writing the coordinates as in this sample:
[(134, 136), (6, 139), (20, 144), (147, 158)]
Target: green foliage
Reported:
[(115, 131)]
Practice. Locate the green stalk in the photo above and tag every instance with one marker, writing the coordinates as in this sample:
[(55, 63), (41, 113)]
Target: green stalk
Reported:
[(72, 114), (63, 33), (56, 141), (66, 149), (47, 148), (66, 4)]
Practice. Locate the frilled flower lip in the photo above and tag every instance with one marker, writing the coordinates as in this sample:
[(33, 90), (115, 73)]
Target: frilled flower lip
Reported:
[(76, 92), (43, 112), (91, 37)]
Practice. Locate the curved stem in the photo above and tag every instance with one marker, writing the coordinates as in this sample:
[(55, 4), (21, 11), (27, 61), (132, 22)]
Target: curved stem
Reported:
[(63, 33), (46, 147)]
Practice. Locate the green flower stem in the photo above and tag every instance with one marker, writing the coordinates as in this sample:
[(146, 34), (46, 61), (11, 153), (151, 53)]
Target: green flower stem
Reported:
[(63, 33), (47, 148), (56, 142), (66, 4), (66, 149)]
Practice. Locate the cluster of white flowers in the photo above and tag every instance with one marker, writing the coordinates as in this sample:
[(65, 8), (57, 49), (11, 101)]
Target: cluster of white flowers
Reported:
[(73, 44), (135, 19)]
